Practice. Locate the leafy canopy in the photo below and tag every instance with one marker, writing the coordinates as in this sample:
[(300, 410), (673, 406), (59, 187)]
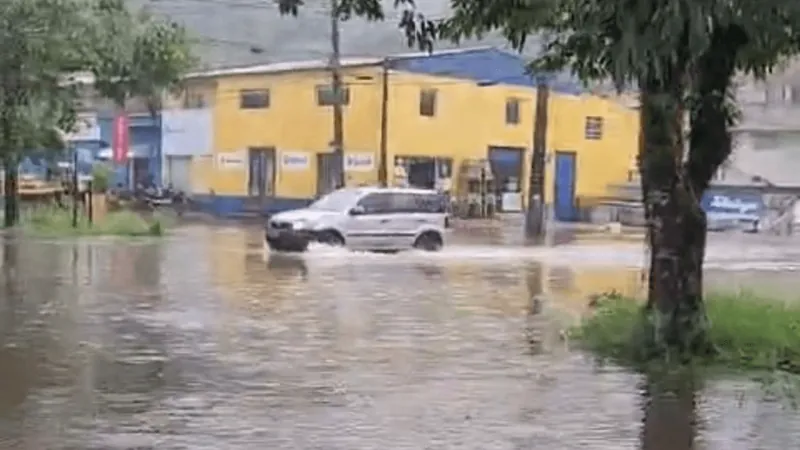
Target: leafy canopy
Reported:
[(630, 40), (621, 40), (45, 42), (136, 54)]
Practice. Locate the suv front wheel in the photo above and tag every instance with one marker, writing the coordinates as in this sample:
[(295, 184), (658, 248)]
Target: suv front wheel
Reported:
[(330, 237)]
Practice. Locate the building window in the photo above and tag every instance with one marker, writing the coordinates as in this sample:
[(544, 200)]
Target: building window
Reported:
[(593, 128), (512, 111), (193, 100), (326, 97), (427, 102), (254, 98)]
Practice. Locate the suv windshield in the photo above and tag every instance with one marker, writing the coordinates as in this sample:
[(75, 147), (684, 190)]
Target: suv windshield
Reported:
[(336, 201)]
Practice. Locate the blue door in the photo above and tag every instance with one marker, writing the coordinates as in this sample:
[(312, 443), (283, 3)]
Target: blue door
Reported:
[(564, 204)]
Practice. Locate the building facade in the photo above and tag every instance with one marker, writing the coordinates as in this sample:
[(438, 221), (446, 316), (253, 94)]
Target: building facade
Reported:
[(767, 137), (143, 165), (187, 140), (272, 129)]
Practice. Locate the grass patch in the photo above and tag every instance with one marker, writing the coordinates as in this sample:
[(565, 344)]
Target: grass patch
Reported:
[(750, 332), (57, 222)]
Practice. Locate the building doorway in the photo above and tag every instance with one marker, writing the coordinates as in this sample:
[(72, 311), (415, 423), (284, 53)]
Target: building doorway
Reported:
[(506, 163), (261, 172), (327, 174)]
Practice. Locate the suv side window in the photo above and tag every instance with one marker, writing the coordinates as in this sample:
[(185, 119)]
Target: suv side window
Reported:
[(376, 203), (432, 203), (417, 203), (403, 203)]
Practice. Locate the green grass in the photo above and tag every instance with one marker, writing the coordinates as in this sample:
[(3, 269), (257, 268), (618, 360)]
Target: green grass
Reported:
[(750, 332), (56, 222)]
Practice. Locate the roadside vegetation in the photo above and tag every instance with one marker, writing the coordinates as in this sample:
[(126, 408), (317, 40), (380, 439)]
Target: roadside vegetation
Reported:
[(749, 333), (57, 222), (126, 54)]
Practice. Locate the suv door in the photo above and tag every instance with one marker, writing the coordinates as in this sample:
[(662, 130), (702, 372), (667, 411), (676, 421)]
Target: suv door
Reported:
[(424, 211), (407, 218), (370, 230)]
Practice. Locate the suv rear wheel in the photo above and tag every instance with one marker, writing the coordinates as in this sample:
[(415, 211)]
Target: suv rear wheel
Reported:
[(429, 241)]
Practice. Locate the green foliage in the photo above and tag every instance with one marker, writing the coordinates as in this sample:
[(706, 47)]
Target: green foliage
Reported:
[(101, 177), (136, 55), (57, 222), (37, 41), (749, 332), (48, 48)]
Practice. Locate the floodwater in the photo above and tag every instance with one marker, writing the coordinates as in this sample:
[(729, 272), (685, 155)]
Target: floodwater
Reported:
[(203, 341)]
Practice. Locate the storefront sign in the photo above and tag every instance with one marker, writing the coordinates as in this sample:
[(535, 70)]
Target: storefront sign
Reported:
[(294, 161), (359, 162), (723, 206), (230, 161)]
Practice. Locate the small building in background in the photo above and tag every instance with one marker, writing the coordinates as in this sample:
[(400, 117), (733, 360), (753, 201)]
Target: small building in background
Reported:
[(272, 127)]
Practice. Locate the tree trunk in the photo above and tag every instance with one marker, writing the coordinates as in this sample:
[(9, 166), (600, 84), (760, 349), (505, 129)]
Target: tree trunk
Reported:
[(11, 193), (673, 186), (676, 225)]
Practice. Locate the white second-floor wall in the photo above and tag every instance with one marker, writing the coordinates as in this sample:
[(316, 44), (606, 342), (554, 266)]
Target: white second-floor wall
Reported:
[(187, 132)]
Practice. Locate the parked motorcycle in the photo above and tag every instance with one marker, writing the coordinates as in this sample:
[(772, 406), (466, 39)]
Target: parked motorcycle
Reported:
[(161, 198)]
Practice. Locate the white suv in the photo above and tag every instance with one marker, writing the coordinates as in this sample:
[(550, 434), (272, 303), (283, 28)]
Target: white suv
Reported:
[(373, 219)]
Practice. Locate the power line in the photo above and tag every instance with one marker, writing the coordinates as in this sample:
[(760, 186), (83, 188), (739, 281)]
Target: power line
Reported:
[(269, 6)]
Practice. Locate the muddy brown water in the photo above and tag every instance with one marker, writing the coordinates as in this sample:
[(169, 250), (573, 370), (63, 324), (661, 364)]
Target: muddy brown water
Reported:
[(203, 341)]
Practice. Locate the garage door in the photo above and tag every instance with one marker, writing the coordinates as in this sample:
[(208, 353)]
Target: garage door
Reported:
[(179, 172)]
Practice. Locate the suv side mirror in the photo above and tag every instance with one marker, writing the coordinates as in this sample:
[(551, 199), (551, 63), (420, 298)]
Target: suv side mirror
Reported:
[(357, 210)]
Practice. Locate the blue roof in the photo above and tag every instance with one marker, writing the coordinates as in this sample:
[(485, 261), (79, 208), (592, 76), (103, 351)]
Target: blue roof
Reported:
[(484, 64)]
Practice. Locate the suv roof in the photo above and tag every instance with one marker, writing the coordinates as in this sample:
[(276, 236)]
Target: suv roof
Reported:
[(375, 189)]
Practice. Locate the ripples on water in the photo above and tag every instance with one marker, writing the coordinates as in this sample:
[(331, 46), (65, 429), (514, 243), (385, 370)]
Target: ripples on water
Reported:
[(205, 342)]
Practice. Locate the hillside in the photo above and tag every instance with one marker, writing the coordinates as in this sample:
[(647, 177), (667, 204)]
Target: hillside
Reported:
[(226, 30)]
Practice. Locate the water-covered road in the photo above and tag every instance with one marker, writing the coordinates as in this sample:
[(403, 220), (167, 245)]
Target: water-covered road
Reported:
[(203, 341)]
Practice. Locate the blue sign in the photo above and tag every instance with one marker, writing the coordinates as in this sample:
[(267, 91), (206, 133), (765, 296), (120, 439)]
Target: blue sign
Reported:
[(733, 206)]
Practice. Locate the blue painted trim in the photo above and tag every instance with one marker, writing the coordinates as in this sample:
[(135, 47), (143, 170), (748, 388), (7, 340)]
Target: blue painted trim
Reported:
[(232, 206)]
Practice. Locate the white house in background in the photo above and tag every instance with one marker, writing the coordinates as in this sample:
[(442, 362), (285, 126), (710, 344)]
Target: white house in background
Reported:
[(187, 138), (767, 139)]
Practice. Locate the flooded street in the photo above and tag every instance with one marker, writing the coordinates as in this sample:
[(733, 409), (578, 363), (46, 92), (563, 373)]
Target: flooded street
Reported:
[(203, 341)]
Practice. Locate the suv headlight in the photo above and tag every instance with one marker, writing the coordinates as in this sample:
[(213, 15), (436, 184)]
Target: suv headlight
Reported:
[(300, 224)]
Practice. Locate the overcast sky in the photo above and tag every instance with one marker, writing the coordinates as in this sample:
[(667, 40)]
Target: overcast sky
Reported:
[(227, 28)]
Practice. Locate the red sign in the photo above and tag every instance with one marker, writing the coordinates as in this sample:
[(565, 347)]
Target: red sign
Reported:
[(120, 139)]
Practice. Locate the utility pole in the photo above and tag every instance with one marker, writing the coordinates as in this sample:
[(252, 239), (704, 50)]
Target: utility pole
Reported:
[(338, 94), (383, 160), (534, 216)]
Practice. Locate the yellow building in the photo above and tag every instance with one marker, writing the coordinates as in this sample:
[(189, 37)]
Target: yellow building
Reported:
[(273, 126)]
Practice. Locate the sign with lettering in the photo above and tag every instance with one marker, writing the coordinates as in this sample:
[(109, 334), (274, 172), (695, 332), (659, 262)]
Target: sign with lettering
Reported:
[(230, 161), (733, 206), (359, 162), (295, 161)]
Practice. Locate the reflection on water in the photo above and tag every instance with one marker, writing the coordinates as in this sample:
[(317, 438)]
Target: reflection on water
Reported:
[(204, 341), (669, 413)]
